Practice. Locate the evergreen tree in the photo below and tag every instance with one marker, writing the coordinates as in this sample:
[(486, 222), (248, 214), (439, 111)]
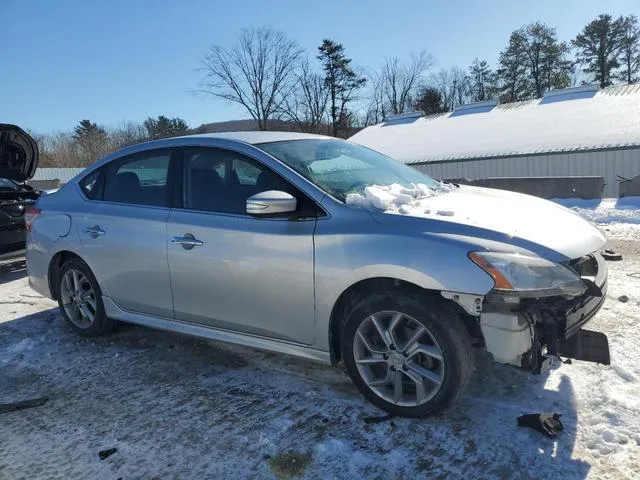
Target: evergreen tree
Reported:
[(630, 50), (430, 101), (164, 127), (599, 46), (87, 129), (547, 63), (340, 79), (482, 81), (91, 141), (534, 62), (513, 69)]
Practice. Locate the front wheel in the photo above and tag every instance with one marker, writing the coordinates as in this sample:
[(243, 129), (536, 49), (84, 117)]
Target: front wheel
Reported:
[(80, 300), (408, 355)]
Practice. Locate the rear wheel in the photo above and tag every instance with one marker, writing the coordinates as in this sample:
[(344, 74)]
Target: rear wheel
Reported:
[(80, 300), (407, 355)]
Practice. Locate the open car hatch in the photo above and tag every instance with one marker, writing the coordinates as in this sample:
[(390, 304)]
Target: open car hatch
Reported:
[(18, 153)]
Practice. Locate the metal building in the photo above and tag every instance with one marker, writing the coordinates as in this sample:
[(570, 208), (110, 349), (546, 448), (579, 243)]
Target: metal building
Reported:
[(579, 131), (63, 175)]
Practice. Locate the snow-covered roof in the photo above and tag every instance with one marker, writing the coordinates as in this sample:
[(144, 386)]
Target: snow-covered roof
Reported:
[(582, 118)]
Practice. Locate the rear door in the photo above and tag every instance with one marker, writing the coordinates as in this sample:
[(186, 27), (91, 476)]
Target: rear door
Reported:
[(243, 273), (124, 231)]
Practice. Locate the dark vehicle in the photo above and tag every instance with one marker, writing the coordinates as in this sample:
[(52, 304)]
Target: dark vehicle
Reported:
[(18, 162)]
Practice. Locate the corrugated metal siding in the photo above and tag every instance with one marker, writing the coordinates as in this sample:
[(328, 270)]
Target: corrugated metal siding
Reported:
[(62, 174), (604, 163)]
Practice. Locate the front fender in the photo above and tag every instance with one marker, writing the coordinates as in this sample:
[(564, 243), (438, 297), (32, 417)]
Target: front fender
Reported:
[(344, 259)]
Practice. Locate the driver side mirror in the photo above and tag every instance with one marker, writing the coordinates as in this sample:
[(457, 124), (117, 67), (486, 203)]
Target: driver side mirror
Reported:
[(271, 202)]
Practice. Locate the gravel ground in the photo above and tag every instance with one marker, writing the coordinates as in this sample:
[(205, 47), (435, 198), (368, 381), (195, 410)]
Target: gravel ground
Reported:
[(178, 407)]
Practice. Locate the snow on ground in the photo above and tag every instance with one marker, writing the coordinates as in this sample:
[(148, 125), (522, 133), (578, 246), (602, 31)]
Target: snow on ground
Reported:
[(606, 210), (179, 407)]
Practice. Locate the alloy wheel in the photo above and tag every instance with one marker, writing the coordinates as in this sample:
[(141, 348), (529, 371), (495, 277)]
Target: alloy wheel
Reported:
[(398, 358), (78, 298)]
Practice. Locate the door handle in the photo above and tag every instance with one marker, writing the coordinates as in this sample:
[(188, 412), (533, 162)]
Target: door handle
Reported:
[(94, 232), (188, 241)]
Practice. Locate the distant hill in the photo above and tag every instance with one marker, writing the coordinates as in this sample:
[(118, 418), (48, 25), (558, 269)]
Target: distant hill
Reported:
[(248, 125)]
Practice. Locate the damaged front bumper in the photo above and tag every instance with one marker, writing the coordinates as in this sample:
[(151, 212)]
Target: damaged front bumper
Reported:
[(526, 331)]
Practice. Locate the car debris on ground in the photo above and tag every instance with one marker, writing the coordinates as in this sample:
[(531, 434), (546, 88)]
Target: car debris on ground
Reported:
[(23, 404), (104, 454), (548, 424)]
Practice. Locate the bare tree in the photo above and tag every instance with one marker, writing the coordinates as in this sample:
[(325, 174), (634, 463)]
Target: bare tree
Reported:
[(376, 109), (257, 72), (454, 86), (398, 81), (461, 86), (306, 106), (129, 133), (441, 82), (86, 143), (60, 150)]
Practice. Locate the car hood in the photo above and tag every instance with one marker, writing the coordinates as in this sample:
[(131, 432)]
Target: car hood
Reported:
[(522, 220), (18, 153)]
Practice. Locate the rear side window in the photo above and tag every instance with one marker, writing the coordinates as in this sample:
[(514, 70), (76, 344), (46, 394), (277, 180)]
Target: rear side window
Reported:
[(90, 184), (141, 180)]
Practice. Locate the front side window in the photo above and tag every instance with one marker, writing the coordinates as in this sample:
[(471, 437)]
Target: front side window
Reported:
[(340, 168), (247, 173), (141, 180), (217, 180)]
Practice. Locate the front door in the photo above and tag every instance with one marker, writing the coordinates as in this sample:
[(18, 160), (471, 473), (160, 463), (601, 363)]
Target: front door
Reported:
[(123, 230), (238, 272)]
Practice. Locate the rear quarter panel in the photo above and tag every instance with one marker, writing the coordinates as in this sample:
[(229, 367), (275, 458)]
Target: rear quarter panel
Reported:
[(50, 233)]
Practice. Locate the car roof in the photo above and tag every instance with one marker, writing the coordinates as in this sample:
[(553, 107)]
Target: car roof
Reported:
[(252, 138), (256, 137)]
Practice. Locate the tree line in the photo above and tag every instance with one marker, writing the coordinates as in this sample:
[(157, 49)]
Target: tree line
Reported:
[(89, 141), (278, 83), (272, 78)]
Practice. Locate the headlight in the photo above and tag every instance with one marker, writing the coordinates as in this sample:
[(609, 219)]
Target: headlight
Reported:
[(527, 274)]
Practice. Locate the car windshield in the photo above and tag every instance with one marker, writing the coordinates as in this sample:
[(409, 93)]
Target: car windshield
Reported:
[(6, 184), (340, 168)]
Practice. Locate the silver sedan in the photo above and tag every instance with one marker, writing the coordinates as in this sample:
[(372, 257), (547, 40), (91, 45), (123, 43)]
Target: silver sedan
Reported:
[(324, 249)]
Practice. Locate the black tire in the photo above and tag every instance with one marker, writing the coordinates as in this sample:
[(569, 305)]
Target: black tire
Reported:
[(101, 324), (445, 325)]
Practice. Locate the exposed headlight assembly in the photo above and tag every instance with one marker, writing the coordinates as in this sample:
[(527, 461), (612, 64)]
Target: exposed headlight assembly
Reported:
[(529, 275)]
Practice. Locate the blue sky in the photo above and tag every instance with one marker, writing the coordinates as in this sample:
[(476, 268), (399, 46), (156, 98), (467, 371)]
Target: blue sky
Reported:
[(113, 61)]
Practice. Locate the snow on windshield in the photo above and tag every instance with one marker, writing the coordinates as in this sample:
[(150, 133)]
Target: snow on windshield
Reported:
[(395, 198)]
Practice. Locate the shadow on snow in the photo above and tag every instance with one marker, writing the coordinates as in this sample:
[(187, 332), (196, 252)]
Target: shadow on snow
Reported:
[(172, 404)]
